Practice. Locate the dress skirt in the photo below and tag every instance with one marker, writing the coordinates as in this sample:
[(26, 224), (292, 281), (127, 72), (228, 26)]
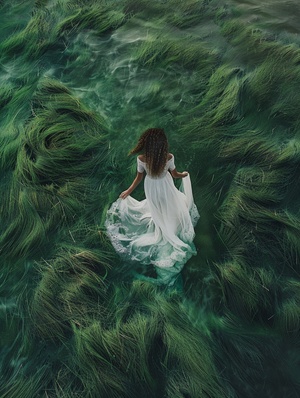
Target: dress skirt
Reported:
[(158, 230)]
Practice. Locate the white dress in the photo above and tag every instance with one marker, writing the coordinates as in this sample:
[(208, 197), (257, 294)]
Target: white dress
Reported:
[(158, 230)]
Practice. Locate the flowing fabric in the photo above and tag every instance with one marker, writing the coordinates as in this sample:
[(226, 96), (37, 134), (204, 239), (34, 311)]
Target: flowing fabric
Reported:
[(158, 230)]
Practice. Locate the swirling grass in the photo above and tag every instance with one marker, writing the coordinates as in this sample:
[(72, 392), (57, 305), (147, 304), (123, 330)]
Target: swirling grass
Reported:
[(33, 41), (6, 94), (256, 193), (114, 358), (68, 293), (185, 14), (252, 148), (51, 158), (250, 294), (18, 107), (219, 109), (262, 349), (25, 233), (42, 32), (167, 51), (25, 386), (236, 93), (189, 13), (100, 19), (147, 348), (288, 315), (275, 73), (287, 312)]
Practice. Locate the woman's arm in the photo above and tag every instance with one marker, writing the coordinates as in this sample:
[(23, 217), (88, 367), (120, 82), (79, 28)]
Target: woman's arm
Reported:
[(135, 183), (176, 174)]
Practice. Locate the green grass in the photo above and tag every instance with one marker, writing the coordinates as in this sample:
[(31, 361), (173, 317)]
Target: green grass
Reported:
[(79, 81)]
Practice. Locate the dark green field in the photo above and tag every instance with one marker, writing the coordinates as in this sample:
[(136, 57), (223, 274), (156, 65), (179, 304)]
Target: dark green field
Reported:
[(80, 80)]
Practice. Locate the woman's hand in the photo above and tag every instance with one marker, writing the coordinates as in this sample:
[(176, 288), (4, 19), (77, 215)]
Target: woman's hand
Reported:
[(136, 181), (124, 194), (177, 174)]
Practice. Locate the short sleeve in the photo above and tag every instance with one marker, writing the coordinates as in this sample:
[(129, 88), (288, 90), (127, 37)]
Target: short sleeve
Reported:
[(171, 163), (140, 166)]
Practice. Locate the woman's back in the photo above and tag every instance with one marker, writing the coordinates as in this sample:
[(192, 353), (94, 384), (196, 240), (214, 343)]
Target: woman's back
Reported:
[(143, 166)]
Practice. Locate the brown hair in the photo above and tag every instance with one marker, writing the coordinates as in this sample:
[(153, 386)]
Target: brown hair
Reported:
[(154, 143)]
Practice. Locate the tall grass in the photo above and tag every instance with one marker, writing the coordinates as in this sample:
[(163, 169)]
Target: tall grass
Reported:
[(78, 80)]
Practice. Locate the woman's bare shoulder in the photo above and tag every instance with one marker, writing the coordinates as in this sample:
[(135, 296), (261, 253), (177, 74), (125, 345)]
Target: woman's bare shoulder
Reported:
[(142, 158), (170, 156)]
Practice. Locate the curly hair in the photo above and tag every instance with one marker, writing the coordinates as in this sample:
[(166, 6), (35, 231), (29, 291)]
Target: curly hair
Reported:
[(154, 143)]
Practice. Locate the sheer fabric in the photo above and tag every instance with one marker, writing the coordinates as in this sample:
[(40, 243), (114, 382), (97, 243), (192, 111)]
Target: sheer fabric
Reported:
[(158, 230)]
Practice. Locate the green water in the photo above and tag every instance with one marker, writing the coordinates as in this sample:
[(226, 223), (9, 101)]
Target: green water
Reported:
[(79, 82)]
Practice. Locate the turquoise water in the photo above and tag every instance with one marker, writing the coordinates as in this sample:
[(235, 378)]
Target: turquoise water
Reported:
[(79, 82)]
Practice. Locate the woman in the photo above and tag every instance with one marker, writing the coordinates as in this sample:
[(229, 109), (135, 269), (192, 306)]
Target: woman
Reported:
[(158, 230)]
